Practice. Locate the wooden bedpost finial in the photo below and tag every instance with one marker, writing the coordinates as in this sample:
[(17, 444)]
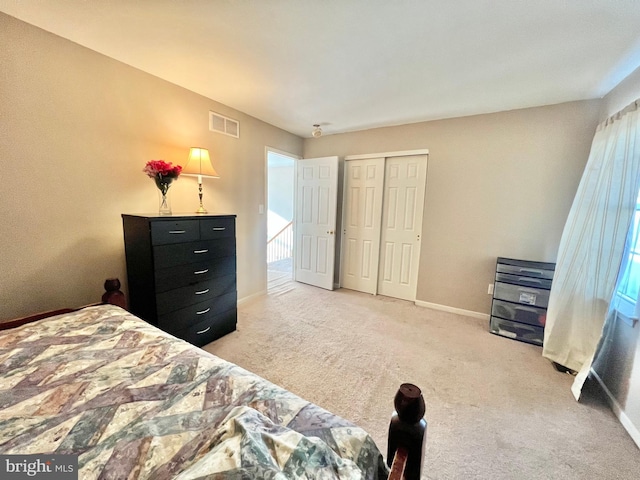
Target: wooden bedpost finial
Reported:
[(113, 295), (407, 433), (409, 403)]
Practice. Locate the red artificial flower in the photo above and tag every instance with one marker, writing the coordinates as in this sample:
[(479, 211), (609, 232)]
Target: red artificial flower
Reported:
[(159, 169)]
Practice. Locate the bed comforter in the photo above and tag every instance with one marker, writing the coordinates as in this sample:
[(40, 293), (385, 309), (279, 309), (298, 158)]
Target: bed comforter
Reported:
[(134, 402)]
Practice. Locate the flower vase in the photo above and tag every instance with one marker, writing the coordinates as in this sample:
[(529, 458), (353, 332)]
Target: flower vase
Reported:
[(163, 184)]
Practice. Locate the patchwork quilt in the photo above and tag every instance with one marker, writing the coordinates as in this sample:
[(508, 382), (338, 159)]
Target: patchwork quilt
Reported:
[(134, 402)]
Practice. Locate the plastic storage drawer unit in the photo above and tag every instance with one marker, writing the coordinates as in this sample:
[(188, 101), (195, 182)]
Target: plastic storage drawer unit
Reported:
[(520, 299)]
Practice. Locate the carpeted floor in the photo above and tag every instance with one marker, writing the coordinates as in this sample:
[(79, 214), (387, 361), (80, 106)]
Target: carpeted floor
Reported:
[(496, 409)]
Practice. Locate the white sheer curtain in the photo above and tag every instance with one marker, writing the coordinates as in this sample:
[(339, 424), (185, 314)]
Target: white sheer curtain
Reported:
[(592, 245)]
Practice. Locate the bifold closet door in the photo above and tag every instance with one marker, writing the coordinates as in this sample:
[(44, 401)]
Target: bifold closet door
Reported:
[(402, 210), (364, 181)]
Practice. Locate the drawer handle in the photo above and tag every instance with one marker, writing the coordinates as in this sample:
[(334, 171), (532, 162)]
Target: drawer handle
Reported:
[(203, 311), (525, 309), (532, 270), (530, 280), (202, 292), (200, 272), (219, 229), (204, 331), (201, 251), (528, 290), (177, 232)]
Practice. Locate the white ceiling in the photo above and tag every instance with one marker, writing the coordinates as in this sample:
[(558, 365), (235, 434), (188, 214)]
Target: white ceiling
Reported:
[(356, 64)]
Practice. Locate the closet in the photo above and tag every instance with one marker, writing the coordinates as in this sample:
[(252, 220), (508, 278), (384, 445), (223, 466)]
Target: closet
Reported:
[(383, 202)]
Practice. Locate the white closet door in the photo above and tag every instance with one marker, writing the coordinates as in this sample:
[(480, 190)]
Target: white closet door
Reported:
[(361, 216), (402, 211), (315, 221)]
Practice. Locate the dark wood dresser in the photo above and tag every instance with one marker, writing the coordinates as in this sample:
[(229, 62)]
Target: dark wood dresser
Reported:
[(181, 271)]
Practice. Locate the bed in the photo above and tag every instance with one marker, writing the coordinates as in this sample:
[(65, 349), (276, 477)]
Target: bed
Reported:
[(131, 401)]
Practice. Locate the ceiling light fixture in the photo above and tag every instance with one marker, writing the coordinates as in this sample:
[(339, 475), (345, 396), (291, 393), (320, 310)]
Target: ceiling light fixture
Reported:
[(317, 131)]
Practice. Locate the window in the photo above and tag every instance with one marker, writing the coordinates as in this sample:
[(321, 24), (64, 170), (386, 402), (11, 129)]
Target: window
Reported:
[(629, 287)]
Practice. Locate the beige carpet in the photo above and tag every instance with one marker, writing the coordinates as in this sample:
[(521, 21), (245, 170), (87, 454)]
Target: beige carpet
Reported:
[(495, 408)]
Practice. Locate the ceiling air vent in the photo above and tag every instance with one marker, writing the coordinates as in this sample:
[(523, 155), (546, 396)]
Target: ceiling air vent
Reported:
[(221, 124)]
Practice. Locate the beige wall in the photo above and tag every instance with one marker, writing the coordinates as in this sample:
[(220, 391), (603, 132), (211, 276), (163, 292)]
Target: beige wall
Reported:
[(497, 185), (76, 129)]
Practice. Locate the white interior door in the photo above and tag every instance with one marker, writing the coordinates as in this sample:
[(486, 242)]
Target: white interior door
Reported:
[(315, 220), (402, 212), (361, 220)]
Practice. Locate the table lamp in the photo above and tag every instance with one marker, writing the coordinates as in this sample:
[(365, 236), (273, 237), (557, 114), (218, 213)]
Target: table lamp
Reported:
[(199, 164)]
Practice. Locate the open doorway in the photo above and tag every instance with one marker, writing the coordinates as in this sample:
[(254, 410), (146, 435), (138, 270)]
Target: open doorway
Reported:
[(280, 208)]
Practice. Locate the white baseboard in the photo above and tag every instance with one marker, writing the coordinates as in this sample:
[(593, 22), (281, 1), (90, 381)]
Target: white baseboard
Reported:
[(459, 311), (626, 422), (251, 297)]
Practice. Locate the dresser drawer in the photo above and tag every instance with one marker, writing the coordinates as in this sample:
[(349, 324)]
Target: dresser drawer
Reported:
[(519, 313), (210, 329), (517, 331), (165, 256), (203, 291), (174, 231), (183, 275), (217, 228), (522, 270), (525, 281), (525, 295), (174, 322)]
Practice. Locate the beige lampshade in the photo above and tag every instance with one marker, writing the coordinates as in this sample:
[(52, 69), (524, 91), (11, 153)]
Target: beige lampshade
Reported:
[(199, 163)]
